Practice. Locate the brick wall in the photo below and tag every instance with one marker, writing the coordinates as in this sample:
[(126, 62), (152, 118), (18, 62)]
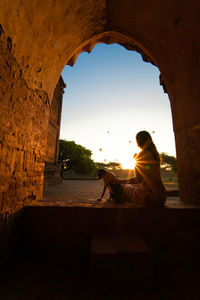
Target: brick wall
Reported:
[(24, 114)]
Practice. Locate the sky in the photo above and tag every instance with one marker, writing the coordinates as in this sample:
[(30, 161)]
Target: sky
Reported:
[(111, 95)]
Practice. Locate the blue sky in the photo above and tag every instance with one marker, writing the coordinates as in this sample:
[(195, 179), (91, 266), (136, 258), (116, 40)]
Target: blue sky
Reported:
[(112, 94)]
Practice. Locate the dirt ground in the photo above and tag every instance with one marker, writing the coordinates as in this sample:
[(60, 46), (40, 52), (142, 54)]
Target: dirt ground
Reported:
[(85, 193)]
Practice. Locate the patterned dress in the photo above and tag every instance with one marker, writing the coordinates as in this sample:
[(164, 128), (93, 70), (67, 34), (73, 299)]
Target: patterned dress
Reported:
[(147, 189)]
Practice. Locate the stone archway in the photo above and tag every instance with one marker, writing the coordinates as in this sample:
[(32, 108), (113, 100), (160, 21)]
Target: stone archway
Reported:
[(39, 37)]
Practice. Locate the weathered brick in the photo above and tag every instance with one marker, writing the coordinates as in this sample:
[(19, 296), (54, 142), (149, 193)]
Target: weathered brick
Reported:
[(24, 125)]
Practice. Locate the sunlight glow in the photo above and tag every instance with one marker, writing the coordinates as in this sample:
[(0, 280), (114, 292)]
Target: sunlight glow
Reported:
[(128, 164)]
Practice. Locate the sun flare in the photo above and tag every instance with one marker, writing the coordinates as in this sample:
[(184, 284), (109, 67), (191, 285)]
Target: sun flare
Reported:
[(128, 163)]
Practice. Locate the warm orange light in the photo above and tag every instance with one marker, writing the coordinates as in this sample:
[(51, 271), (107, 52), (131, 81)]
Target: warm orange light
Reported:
[(134, 163), (128, 163)]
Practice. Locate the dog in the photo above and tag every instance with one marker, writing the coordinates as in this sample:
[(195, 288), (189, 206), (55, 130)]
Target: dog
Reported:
[(116, 189)]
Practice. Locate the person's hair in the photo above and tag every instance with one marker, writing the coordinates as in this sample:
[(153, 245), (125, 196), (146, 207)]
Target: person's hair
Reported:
[(145, 142), (101, 173)]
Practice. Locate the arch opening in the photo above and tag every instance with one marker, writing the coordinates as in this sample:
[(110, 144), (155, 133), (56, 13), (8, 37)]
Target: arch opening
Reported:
[(129, 137)]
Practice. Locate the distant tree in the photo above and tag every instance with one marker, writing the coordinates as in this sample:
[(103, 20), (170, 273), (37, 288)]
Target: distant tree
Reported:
[(113, 166), (101, 165), (75, 157), (168, 162)]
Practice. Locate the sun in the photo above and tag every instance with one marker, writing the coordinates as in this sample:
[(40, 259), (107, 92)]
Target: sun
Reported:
[(128, 163)]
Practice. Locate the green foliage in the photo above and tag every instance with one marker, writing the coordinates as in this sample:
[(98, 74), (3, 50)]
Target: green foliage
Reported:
[(168, 162), (112, 166), (75, 157)]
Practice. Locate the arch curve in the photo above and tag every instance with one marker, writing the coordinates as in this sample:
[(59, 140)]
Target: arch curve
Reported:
[(112, 37), (129, 43)]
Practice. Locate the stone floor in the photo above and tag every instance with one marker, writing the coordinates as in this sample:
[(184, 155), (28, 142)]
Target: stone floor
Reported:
[(50, 233), (44, 281), (85, 193)]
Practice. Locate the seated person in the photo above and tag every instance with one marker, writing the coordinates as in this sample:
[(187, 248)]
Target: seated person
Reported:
[(146, 188)]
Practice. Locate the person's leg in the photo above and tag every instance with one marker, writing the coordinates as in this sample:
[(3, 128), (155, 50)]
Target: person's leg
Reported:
[(138, 195)]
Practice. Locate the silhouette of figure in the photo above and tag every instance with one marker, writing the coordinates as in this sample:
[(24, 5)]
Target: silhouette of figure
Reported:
[(146, 188)]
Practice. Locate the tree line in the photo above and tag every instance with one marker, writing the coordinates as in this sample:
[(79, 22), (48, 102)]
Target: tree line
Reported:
[(77, 158)]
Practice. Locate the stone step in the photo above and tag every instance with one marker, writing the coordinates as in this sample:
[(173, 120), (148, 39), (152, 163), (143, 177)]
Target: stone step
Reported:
[(120, 262)]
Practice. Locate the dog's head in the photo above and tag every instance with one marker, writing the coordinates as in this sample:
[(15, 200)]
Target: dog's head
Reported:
[(101, 173)]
